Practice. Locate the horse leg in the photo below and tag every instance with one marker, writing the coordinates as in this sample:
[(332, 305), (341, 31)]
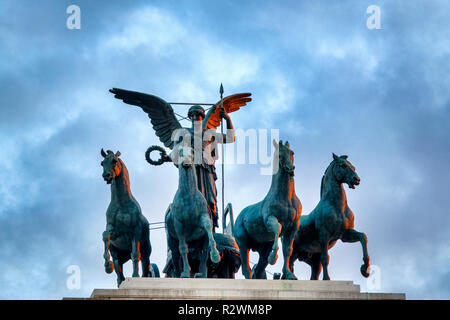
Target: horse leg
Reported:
[(292, 260), (109, 267), (205, 222), (324, 258), (146, 250), (316, 267), (117, 265), (244, 251), (273, 226), (202, 266), (286, 243), (260, 268), (351, 235), (135, 254), (183, 249), (145, 258), (172, 243)]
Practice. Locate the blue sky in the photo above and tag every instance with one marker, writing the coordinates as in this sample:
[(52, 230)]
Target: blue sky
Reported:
[(316, 73)]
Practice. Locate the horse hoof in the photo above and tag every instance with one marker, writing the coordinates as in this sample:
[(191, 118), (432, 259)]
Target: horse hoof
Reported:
[(184, 275), (109, 267), (199, 275), (215, 256), (289, 276), (364, 272)]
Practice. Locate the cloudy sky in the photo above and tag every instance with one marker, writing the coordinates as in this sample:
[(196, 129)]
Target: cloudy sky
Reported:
[(316, 73)]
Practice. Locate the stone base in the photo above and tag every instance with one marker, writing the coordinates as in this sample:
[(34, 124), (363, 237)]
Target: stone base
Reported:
[(237, 289)]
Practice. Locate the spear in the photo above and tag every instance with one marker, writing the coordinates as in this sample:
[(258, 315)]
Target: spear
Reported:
[(223, 155)]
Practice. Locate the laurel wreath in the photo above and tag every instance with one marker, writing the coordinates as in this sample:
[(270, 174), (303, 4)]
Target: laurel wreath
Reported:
[(162, 152)]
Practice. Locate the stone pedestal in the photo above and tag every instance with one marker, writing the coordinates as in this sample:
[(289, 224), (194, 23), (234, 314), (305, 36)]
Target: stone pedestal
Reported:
[(238, 289)]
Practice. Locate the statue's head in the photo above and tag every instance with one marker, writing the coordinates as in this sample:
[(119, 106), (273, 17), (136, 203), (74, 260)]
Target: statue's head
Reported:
[(344, 171), (196, 113), (285, 157), (182, 155), (111, 165)]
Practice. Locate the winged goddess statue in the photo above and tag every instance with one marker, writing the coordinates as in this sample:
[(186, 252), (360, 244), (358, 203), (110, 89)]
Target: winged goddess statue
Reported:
[(166, 125)]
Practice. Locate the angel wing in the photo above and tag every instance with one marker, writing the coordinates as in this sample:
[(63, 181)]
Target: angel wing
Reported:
[(159, 111), (230, 104)]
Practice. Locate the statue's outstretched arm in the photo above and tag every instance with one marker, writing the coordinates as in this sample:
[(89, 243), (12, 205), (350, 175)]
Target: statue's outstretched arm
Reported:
[(230, 136)]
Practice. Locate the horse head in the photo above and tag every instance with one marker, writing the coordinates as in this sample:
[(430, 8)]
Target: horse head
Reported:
[(285, 157), (344, 171), (111, 165), (182, 155)]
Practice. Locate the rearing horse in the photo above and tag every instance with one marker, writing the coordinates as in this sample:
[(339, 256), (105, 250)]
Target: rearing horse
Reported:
[(330, 221), (259, 226), (187, 218), (127, 233)]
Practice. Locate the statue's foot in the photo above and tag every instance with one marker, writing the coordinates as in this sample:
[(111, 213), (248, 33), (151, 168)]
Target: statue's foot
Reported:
[(185, 274), (273, 257), (199, 275), (215, 256), (365, 270)]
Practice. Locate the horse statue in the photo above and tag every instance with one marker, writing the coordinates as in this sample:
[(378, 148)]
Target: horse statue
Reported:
[(259, 226), (187, 218), (330, 221), (127, 233), (230, 259)]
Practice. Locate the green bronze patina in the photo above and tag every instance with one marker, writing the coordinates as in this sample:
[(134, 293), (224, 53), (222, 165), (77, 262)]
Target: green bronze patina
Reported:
[(127, 233), (330, 221), (187, 219), (259, 226), (166, 126), (230, 260), (229, 263), (195, 180)]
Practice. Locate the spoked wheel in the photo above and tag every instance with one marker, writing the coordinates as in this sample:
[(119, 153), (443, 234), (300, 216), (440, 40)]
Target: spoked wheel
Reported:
[(154, 271)]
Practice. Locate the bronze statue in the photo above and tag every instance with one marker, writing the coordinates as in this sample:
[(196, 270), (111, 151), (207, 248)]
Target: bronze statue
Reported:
[(187, 219), (330, 221), (259, 226), (229, 263), (127, 233), (203, 128), (230, 260)]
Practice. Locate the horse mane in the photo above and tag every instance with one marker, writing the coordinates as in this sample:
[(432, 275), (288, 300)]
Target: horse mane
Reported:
[(324, 175), (124, 173)]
